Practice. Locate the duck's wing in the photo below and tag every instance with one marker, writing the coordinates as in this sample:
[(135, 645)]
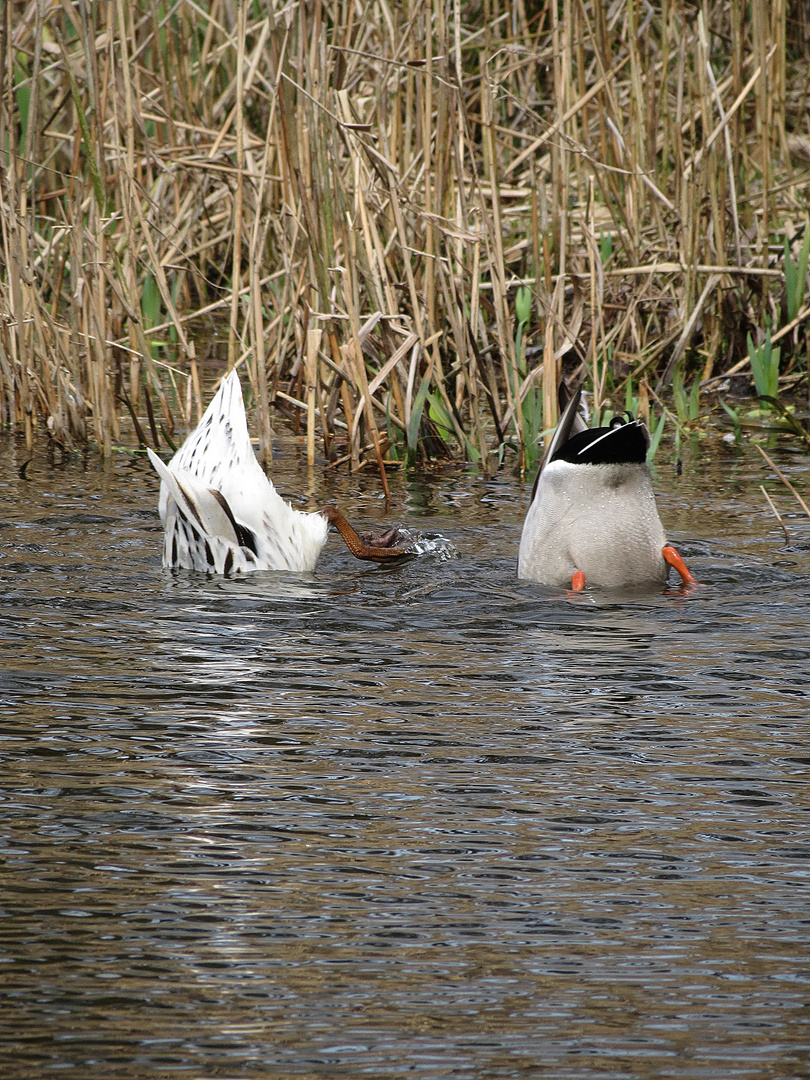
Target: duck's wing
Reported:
[(198, 503), (201, 533), (219, 509)]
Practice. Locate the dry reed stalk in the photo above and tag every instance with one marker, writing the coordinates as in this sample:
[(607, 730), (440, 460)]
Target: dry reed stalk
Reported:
[(313, 344), (784, 480), (236, 275), (408, 163), (776, 513)]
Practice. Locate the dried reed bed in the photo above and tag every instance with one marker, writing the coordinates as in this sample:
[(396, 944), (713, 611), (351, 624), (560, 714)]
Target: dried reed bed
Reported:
[(400, 209)]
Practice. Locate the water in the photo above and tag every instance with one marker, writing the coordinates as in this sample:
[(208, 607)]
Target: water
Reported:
[(415, 820)]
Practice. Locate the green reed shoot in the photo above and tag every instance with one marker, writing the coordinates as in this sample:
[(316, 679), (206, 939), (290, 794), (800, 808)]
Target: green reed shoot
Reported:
[(532, 401), (687, 405), (796, 275), (765, 365)]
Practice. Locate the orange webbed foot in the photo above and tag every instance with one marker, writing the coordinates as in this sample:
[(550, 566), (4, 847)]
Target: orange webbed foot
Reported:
[(578, 581), (674, 560)]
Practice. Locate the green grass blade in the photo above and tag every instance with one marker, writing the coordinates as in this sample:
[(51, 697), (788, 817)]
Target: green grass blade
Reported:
[(655, 438), (758, 367), (438, 414), (791, 273), (774, 371), (735, 419), (416, 413), (801, 273), (694, 400), (679, 394)]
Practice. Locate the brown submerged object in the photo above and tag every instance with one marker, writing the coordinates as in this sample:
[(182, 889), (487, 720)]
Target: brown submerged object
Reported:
[(377, 549)]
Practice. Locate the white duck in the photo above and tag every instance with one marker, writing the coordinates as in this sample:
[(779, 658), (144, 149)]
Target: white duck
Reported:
[(221, 514), (593, 516)]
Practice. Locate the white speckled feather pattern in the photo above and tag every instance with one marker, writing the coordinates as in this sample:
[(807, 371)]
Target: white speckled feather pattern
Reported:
[(220, 512)]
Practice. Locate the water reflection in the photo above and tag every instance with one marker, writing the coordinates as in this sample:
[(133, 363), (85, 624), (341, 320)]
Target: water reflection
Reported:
[(379, 819)]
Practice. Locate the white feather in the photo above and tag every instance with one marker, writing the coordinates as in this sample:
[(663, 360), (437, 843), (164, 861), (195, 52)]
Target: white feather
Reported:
[(220, 512)]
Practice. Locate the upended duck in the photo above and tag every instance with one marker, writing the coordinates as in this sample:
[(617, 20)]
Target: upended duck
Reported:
[(222, 515), (593, 518)]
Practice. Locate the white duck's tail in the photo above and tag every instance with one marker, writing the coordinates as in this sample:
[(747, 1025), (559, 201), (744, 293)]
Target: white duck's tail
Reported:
[(201, 532)]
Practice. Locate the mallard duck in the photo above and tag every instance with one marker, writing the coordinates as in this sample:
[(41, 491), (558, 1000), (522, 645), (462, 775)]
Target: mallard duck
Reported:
[(221, 514), (593, 517)]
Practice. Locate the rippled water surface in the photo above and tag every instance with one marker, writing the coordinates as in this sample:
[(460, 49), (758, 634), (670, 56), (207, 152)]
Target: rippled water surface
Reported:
[(416, 820)]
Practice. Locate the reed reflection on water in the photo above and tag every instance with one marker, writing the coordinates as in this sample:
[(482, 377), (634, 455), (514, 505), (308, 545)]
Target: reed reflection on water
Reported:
[(380, 820)]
